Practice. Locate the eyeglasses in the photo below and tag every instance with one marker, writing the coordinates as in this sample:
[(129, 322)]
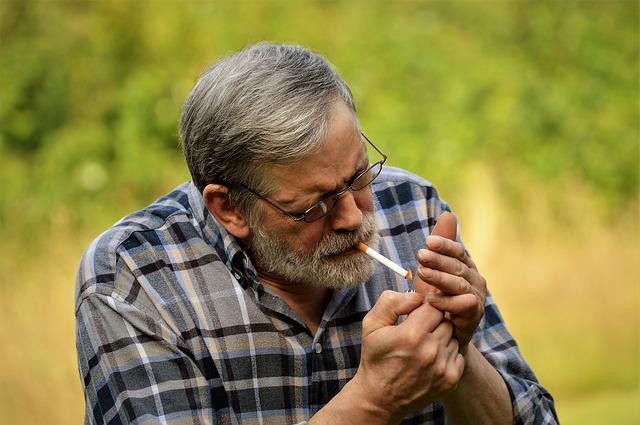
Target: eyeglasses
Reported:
[(326, 204)]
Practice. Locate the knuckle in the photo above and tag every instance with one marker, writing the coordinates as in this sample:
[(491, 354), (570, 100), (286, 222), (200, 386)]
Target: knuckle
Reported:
[(447, 325), (386, 296), (460, 269), (459, 251), (482, 282), (470, 303), (440, 368), (463, 285), (451, 377), (455, 346), (413, 337), (429, 354), (462, 253), (386, 299)]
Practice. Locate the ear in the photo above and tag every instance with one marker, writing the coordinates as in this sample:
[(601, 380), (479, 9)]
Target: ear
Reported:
[(216, 199)]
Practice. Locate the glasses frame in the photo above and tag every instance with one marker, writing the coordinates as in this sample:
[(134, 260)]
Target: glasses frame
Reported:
[(303, 215)]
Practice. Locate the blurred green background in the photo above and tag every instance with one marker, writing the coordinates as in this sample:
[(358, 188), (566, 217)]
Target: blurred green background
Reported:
[(524, 114)]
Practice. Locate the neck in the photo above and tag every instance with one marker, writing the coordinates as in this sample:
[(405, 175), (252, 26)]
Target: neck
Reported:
[(308, 302)]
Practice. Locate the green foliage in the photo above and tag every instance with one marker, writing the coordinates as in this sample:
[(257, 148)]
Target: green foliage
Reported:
[(91, 92)]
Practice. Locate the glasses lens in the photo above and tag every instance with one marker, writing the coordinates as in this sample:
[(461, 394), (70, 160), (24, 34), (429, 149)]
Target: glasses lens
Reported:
[(365, 179), (320, 209)]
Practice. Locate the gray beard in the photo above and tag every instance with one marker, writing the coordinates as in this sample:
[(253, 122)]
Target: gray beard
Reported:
[(322, 266)]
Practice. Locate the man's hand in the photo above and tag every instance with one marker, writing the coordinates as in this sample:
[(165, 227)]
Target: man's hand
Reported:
[(406, 366), (460, 289)]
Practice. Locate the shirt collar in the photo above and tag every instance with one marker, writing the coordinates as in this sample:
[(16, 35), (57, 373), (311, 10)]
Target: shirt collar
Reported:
[(226, 245)]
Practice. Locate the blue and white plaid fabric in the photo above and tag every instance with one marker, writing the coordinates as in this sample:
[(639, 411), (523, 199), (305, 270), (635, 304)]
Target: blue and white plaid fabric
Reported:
[(174, 327)]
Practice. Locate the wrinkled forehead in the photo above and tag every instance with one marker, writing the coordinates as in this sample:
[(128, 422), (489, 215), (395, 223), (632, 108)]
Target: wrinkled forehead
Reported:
[(341, 154)]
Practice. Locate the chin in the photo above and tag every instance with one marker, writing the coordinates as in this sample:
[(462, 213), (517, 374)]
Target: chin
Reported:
[(344, 272)]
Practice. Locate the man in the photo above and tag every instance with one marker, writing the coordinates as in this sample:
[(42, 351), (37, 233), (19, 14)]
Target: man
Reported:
[(239, 296)]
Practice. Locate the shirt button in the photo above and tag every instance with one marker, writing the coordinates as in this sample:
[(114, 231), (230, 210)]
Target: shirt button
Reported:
[(318, 348)]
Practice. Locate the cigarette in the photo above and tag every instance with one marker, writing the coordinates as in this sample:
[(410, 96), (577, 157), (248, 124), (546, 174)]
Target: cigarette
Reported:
[(406, 274)]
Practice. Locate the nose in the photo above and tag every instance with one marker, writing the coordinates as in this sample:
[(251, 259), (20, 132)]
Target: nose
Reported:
[(346, 215)]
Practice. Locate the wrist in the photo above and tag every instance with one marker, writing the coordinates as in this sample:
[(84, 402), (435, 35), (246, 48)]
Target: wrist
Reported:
[(481, 396), (374, 410), (469, 352), (353, 404), (474, 362)]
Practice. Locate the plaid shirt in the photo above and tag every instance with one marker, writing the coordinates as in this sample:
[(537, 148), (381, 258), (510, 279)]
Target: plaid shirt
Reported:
[(173, 325)]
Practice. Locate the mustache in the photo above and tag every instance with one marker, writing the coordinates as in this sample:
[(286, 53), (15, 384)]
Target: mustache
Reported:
[(337, 243)]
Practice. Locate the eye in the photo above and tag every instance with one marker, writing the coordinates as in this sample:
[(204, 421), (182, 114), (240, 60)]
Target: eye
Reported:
[(306, 209), (321, 204), (360, 172)]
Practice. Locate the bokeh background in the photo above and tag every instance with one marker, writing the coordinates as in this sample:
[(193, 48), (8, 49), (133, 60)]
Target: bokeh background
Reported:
[(524, 114)]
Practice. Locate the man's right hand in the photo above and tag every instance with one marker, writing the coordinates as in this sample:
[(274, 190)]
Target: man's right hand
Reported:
[(406, 366)]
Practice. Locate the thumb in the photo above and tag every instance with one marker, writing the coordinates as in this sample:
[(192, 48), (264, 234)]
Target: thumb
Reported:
[(446, 226), (389, 307)]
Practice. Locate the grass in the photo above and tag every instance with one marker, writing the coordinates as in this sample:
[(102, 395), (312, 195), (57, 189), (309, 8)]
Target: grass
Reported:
[(566, 284)]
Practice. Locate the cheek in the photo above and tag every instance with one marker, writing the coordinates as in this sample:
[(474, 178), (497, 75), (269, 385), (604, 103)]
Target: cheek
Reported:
[(364, 199), (309, 236), (298, 236)]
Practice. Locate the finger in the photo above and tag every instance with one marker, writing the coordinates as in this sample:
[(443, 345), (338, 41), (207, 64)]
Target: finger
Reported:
[(446, 282), (436, 260), (456, 365), (426, 317), (446, 246), (446, 226), (444, 332), (450, 248), (453, 348), (446, 264), (459, 364), (421, 286), (465, 305), (389, 307)]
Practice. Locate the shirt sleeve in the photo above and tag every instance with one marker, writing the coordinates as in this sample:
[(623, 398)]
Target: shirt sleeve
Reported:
[(532, 404), (133, 369)]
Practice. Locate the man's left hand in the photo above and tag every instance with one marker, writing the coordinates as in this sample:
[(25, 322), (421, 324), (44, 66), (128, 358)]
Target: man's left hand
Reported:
[(460, 290)]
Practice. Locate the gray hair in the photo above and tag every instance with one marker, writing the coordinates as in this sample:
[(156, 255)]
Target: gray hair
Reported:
[(269, 104)]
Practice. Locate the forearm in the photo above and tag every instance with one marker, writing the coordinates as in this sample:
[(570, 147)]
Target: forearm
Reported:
[(481, 397)]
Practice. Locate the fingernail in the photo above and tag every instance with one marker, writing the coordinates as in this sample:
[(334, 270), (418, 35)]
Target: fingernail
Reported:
[(422, 254), (425, 273), (434, 242)]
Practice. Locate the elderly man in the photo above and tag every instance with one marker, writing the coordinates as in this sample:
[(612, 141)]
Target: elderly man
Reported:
[(239, 297)]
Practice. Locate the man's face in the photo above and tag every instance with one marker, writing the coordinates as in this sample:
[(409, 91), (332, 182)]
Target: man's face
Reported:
[(319, 253)]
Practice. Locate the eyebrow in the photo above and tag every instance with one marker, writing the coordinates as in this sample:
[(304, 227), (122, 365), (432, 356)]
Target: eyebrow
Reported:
[(360, 167)]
